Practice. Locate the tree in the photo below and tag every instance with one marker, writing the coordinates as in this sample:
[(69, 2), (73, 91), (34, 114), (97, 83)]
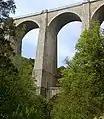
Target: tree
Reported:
[(17, 92), (32, 106), (59, 72), (25, 70), (6, 7), (7, 69), (83, 82), (18, 99)]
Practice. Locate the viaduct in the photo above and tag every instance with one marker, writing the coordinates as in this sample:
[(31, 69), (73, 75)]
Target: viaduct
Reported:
[(49, 23)]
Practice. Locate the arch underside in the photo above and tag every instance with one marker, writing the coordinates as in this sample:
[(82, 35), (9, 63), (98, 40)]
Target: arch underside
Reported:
[(63, 19), (51, 50), (28, 26), (99, 14)]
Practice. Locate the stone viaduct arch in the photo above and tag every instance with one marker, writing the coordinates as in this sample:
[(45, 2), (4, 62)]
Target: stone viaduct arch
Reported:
[(54, 27), (62, 19), (28, 25), (50, 22), (99, 14)]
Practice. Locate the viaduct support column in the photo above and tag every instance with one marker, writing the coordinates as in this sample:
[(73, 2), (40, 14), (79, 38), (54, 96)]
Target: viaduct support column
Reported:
[(39, 68), (51, 59), (46, 58), (86, 13)]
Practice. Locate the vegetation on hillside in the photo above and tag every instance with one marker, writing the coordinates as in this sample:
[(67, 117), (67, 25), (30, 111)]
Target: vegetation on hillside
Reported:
[(83, 79), (18, 99)]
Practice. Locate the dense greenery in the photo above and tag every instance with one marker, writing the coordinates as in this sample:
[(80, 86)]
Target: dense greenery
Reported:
[(18, 98), (83, 79), (59, 72)]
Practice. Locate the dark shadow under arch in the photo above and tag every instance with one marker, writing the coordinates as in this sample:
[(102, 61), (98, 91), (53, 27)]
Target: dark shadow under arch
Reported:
[(29, 25), (61, 20), (99, 14)]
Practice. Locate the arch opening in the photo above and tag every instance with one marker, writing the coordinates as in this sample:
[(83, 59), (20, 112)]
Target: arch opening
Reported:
[(29, 25), (67, 38), (64, 20), (26, 44), (56, 36), (29, 44), (26, 28), (99, 14), (61, 20)]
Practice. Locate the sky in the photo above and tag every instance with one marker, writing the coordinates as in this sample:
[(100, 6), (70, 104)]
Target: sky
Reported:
[(67, 37)]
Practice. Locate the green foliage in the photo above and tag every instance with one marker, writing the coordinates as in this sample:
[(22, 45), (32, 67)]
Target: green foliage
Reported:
[(6, 7), (59, 72), (17, 91), (18, 99), (25, 67), (37, 109), (83, 82), (30, 106)]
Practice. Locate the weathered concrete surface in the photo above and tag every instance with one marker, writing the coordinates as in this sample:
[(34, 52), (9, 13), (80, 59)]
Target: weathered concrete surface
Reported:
[(50, 22)]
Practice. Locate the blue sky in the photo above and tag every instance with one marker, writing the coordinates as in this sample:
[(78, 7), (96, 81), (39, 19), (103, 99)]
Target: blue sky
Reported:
[(67, 37)]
